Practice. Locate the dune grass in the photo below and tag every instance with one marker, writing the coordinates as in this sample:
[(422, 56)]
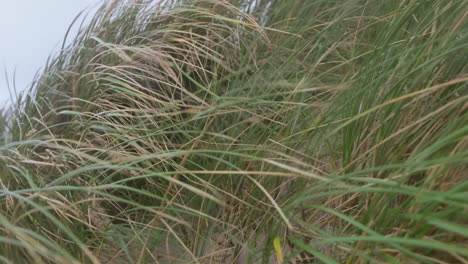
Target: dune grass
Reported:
[(254, 131)]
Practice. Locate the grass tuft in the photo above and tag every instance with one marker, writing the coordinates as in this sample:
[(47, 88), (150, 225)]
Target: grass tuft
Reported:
[(254, 131)]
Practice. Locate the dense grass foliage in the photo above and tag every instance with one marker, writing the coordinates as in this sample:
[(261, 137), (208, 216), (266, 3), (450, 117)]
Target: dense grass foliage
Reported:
[(254, 131)]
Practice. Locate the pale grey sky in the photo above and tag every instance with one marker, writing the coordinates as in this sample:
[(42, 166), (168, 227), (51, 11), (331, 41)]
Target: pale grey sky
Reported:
[(30, 30)]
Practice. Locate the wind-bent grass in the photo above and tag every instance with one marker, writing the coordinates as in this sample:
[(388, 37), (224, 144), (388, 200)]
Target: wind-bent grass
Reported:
[(254, 131)]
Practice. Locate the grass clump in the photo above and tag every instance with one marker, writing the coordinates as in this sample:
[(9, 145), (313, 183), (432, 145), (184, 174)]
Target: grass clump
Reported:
[(255, 131)]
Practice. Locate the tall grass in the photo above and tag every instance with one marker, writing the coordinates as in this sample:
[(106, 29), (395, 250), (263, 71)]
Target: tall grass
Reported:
[(254, 131)]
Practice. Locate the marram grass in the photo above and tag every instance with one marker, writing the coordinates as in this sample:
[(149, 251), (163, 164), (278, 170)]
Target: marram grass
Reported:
[(255, 131)]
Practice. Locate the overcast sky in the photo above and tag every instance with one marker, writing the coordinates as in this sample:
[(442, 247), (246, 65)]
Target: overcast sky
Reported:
[(30, 30)]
